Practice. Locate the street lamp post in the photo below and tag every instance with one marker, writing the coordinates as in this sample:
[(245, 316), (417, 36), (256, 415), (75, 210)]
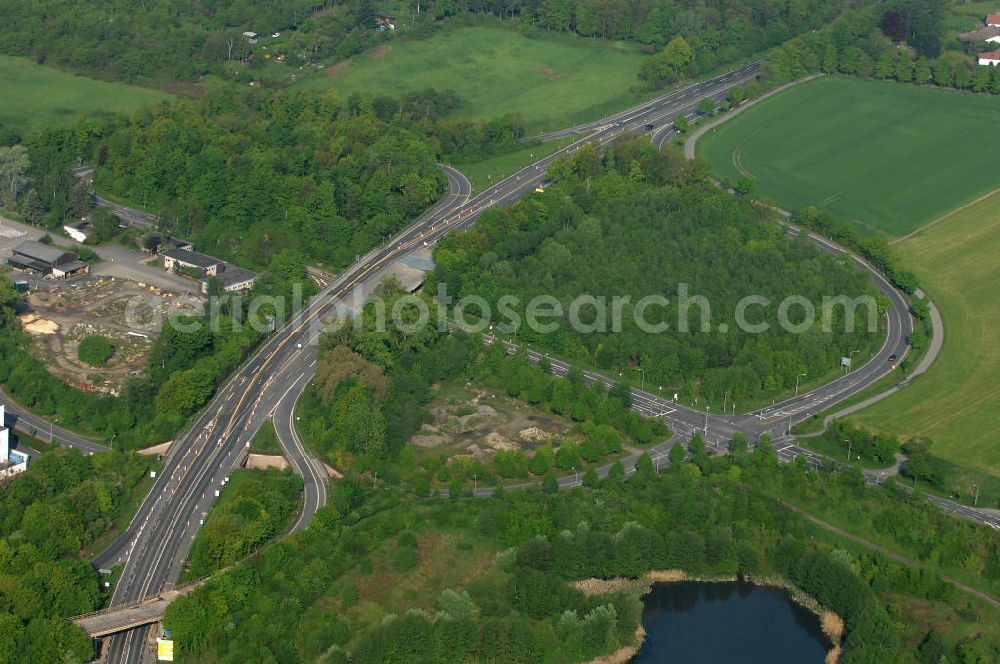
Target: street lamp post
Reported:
[(707, 408), (975, 502), (52, 429), (797, 383), (850, 359), (848, 441), (575, 479)]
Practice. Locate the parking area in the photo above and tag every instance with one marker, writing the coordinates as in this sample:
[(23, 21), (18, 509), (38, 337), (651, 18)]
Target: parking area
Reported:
[(116, 260)]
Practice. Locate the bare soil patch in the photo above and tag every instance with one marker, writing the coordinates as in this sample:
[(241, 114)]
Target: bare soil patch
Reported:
[(469, 422), (335, 70), (550, 73), (380, 52), (59, 316)]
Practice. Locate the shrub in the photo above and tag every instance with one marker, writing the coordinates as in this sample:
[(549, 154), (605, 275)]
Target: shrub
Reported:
[(95, 350)]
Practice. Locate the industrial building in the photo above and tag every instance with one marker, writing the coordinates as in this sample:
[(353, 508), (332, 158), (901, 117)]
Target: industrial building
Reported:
[(206, 268), (31, 256)]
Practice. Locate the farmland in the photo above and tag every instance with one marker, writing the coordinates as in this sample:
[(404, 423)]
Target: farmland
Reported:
[(956, 403), (858, 149), (37, 96), (553, 82)]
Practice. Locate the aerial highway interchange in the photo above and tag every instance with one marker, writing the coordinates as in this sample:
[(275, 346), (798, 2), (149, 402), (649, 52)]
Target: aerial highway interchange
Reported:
[(152, 549)]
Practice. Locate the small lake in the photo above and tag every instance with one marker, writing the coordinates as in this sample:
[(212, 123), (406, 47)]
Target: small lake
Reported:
[(704, 623)]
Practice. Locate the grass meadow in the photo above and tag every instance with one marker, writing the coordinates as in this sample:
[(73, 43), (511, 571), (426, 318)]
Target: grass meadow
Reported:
[(36, 96), (885, 157), (554, 82), (956, 403), (484, 173)]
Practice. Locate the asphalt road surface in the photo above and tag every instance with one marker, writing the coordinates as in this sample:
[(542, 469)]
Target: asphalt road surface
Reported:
[(20, 419), (156, 543)]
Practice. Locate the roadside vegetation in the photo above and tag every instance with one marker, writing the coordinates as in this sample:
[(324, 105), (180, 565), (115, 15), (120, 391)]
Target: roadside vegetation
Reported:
[(54, 511), (856, 149), (184, 369), (265, 441), (379, 405), (381, 576), (253, 507)]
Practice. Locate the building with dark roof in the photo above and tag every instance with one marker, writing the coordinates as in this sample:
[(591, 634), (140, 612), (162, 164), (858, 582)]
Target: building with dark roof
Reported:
[(34, 256), (233, 278), (191, 260), (205, 267)]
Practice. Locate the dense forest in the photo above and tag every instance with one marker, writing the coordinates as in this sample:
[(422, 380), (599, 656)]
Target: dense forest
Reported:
[(381, 576), (160, 40), (48, 515), (253, 175), (639, 222)]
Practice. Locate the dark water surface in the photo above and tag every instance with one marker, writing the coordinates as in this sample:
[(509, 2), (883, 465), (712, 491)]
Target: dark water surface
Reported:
[(705, 623)]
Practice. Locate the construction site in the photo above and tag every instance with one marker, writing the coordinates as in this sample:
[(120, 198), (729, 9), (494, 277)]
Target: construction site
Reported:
[(127, 313)]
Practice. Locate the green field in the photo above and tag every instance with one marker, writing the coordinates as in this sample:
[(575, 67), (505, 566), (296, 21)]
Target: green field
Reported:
[(553, 82), (956, 403), (36, 96), (886, 157)]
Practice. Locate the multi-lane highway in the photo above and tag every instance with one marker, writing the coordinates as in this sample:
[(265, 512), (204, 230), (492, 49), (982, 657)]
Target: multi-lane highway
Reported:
[(154, 546)]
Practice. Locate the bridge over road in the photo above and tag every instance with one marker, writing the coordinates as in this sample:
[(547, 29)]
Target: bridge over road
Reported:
[(127, 616)]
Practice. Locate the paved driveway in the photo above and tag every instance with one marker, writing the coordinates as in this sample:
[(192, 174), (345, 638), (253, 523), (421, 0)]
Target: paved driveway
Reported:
[(117, 261)]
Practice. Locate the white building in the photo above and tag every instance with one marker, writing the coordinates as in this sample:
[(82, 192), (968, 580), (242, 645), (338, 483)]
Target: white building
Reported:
[(990, 58), (79, 230), (11, 463)]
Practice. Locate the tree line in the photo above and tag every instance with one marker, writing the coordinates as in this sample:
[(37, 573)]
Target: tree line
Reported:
[(162, 42)]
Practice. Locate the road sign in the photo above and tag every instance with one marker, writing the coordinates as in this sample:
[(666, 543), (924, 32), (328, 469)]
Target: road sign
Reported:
[(845, 361), (164, 650)]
